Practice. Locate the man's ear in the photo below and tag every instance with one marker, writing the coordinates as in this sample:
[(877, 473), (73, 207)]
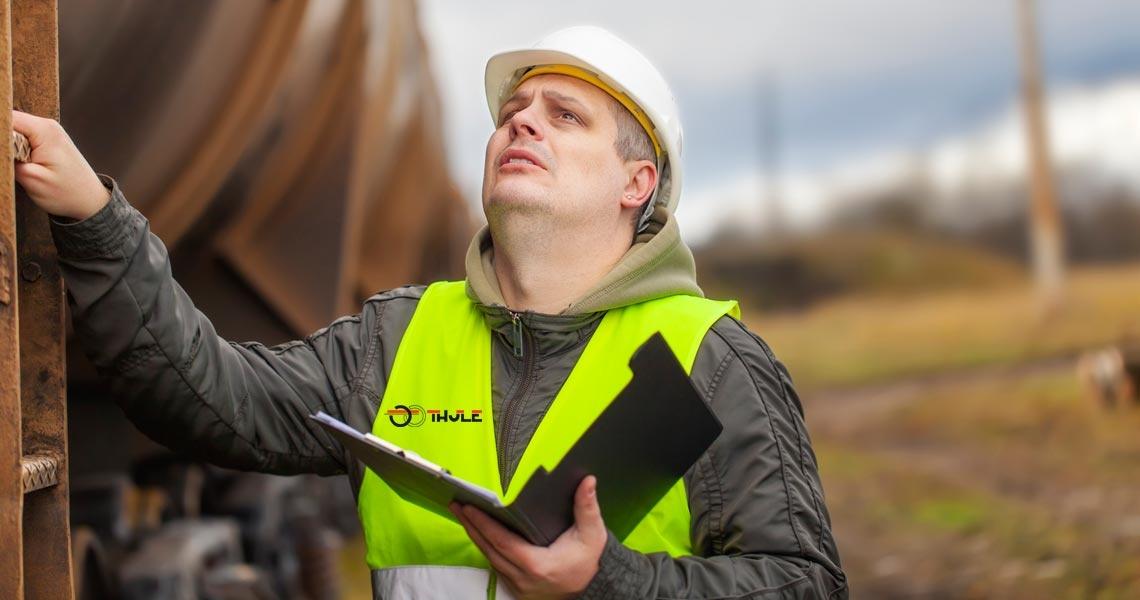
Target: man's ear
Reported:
[(640, 184)]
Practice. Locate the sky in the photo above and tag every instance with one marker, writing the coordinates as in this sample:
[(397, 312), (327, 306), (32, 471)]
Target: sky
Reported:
[(852, 79), (1094, 139)]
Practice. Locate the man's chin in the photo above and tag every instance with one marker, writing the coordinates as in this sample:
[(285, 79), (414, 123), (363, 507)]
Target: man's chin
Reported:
[(510, 194), (508, 211)]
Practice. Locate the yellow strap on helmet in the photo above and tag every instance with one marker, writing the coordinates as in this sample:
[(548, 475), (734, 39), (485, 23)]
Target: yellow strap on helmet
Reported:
[(588, 77)]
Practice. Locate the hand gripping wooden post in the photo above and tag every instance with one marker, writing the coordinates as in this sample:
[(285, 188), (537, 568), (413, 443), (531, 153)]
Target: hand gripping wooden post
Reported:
[(35, 544)]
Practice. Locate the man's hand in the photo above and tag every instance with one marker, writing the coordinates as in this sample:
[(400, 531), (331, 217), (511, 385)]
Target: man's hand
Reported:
[(561, 570), (56, 176)]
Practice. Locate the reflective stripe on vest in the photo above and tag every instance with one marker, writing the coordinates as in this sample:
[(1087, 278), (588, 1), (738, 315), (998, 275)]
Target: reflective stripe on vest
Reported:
[(438, 404), (452, 583)]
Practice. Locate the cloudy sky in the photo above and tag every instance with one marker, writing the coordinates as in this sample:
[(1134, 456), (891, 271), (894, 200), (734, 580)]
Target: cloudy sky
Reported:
[(853, 78)]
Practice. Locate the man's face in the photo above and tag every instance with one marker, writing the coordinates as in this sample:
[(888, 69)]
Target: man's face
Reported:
[(553, 154)]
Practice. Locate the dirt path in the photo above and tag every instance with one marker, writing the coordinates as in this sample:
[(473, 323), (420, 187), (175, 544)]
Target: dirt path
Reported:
[(841, 410), (901, 563)]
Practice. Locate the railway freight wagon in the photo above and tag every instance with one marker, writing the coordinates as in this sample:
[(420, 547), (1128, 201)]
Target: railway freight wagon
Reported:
[(289, 154)]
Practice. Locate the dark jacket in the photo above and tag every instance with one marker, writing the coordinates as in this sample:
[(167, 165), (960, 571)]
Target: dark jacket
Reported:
[(759, 524)]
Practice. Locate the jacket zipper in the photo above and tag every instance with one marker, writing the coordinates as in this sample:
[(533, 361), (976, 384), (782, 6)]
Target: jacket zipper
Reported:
[(526, 353), (516, 334)]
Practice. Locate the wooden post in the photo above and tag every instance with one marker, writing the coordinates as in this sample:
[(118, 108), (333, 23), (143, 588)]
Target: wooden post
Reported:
[(1047, 248), (43, 536), (11, 446)]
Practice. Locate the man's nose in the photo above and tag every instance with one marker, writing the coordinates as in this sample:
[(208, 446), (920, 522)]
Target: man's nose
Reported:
[(525, 123)]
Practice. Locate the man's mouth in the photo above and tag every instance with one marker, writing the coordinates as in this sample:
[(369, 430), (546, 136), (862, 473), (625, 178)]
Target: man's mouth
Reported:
[(519, 158)]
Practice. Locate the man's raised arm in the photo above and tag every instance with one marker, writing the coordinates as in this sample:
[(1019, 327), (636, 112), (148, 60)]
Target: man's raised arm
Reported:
[(238, 405)]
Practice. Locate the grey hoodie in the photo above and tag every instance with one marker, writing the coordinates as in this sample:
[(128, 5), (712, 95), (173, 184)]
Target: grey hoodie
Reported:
[(759, 524)]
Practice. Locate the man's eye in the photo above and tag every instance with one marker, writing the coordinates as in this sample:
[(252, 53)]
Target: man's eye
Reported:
[(569, 116)]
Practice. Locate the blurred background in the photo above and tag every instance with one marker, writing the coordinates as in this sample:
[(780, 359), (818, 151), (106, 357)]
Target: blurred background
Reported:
[(930, 210)]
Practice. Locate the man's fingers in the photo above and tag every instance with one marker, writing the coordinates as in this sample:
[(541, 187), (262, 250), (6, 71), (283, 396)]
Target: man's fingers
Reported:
[(57, 177), (29, 171), (504, 540), (500, 563), (497, 560), (36, 129), (587, 513)]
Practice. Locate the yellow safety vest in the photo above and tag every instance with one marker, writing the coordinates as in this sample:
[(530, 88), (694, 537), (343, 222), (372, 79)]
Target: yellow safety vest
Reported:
[(438, 404)]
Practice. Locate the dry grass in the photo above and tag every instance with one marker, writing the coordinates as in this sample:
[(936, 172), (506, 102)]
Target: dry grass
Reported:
[(856, 341), (904, 532), (999, 487), (991, 483)]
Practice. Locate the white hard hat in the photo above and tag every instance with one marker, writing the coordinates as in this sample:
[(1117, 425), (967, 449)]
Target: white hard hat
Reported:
[(616, 65)]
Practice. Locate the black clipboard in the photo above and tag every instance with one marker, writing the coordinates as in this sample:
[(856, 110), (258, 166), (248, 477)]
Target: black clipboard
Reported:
[(641, 444)]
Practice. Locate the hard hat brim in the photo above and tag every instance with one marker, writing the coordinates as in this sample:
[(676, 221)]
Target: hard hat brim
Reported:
[(503, 71)]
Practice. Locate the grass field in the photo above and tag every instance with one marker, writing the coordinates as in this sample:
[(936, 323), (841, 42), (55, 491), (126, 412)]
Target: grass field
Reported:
[(989, 488), (855, 341), (982, 482)]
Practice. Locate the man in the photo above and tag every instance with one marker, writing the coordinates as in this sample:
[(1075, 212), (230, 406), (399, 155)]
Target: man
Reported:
[(580, 262)]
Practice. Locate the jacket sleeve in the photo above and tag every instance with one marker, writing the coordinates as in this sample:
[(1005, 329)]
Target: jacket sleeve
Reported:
[(243, 406), (759, 527)]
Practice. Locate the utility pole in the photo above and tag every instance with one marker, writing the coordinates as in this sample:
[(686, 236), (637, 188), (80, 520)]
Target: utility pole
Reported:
[(1047, 245), (770, 141)]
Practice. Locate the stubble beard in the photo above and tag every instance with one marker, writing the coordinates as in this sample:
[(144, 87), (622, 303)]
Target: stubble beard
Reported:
[(523, 224)]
